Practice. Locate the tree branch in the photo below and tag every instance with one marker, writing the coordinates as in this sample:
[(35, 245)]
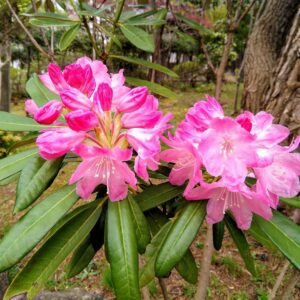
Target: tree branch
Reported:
[(246, 11), (32, 39), (205, 265)]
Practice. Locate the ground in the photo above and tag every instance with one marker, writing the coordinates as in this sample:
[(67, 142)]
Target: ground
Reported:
[(228, 277)]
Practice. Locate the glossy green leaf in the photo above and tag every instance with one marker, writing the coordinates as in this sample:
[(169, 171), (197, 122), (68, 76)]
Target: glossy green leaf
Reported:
[(187, 268), (147, 272), (153, 87), (295, 202), (13, 164), (157, 194), (11, 122), (89, 10), (146, 63), (30, 229), (218, 234), (241, 243), (81, 258), (144, 22), (51, 19), (38, 92), (68, 37), (36, 177), (285, 235), (53, 252), (193, 24), (184, 229), (260, 236), (140, 224), (121, 250), (10, 179), (88, 248), (138, 37)]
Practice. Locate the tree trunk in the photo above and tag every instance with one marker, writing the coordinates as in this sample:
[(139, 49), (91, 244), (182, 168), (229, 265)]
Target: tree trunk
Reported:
[(263, 50), (283, 98), (5, 57)]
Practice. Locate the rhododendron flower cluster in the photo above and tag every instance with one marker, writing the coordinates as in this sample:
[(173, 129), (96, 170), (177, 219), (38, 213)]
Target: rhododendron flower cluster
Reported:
[(219, 156), (101, 120)]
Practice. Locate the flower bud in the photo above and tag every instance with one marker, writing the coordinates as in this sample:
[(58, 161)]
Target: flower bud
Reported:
[(82, 120), (133, 100), (49, 112), (103, 97)]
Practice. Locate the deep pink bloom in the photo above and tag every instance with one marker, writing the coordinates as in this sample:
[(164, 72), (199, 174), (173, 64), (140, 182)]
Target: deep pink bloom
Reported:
[(104, 122), (56, 142), (132, 100), (48, 113), (103, 97), (241, 201), (82, 120), (203, 112), (74, 99), (103, 166), (145, 117)]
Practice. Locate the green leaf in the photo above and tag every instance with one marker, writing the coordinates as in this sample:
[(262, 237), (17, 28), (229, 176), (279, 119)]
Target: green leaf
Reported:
[(138, 37), (38, 92), (241, 243), (68, 37), (81, 258), (88, 248), (140, 224), (36, 177), (295, 202), (13, 164), (184, 229), (193, 24), (146, 63), (285, 235), (157, 194), (91, 11), (51, 19), (53, 252), (143, 22), (12, 122), (121, 249), (153, 87), (187, 268), (260, 236), (147, 272), (10, 179), (30, 229), (218, 234)]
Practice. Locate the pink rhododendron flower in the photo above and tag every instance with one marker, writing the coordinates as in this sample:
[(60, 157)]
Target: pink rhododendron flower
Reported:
[(104, 122), (215, 154)]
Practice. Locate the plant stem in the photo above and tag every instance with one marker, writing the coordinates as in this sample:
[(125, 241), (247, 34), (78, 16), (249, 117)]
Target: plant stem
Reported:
[(163, 288), (119, 9), (205, 265)]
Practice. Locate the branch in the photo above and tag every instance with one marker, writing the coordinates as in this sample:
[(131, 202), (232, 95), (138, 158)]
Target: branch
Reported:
[(246, 11), (208, 58), (205, 265), (42, 31), (32, 39), (163, 288)]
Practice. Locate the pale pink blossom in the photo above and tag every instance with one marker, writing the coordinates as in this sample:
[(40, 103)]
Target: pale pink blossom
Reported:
[(31, 107), (241, 201), (103, 166)]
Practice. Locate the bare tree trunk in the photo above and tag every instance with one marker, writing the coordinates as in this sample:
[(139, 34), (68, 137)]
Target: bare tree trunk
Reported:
[(283, 98), (5, 57), (263, 49)]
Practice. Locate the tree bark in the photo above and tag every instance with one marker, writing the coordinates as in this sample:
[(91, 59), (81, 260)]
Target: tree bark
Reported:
[(263, 50), (283, 98)]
